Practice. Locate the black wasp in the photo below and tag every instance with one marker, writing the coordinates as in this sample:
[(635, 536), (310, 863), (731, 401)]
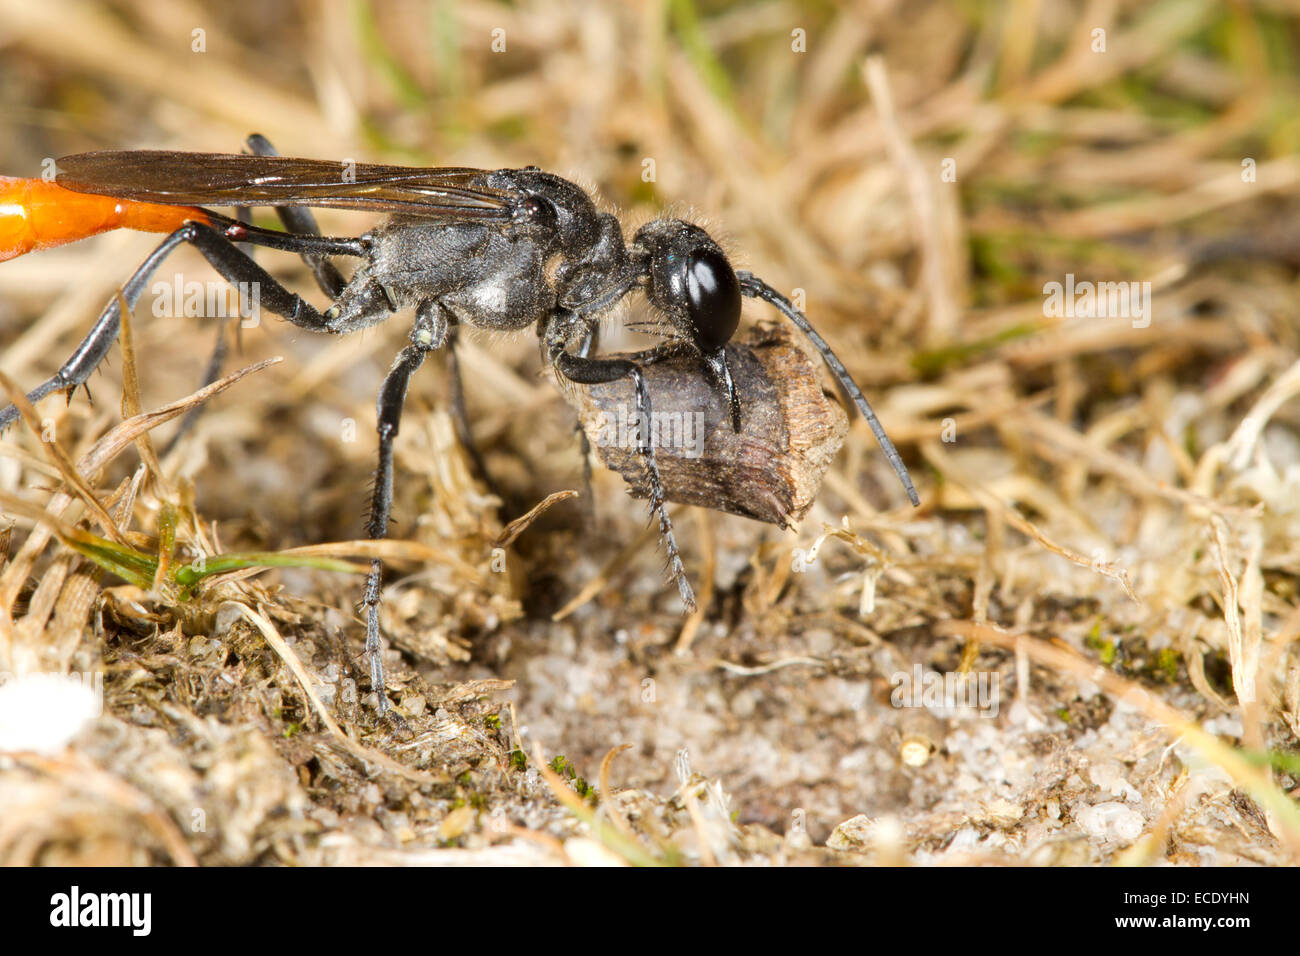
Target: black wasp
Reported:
[(500, 250)]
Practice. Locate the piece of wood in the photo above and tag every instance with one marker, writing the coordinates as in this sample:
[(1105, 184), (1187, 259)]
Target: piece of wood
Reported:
[(791, 428)]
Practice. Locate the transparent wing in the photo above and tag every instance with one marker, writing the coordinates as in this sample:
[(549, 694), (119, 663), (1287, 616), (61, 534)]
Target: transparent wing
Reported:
[(236, 179)]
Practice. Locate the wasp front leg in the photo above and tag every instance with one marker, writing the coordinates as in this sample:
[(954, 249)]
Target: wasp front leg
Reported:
[(563, 328)]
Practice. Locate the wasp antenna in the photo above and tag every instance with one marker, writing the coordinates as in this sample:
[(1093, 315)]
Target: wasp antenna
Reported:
[(756, 288)]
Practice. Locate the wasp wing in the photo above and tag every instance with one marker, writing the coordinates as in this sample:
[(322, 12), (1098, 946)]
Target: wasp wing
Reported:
[(236, 179)]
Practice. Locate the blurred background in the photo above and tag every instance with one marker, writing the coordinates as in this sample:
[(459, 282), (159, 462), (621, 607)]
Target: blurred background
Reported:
[(1124, 486)]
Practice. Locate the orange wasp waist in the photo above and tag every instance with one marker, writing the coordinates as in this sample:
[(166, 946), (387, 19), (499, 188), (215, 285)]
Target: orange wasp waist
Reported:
[(35, 214)]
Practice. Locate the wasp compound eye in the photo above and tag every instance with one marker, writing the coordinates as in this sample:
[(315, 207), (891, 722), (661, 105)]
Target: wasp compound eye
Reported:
[(712, 298), (691, 281)]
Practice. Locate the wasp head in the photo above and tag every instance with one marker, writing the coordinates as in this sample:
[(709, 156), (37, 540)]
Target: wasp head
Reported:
[(688, 279)]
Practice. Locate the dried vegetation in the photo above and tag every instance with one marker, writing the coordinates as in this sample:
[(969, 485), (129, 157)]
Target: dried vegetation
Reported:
[(1109, 517)]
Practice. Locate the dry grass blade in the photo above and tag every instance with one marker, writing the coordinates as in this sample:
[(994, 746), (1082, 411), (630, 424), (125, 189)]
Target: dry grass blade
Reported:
[(1107, 462), (131, 406), (515, 528), (59, 459), (708, 547), (611, 837), (125, 433), (38, 515), (1011, 516), (920, 183), (607, 792)]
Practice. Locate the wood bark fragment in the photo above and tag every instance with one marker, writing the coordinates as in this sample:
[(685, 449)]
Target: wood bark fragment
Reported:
[(791, 428)]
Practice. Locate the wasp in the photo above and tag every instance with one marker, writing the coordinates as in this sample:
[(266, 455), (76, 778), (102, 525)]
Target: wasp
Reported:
[(501, 249)]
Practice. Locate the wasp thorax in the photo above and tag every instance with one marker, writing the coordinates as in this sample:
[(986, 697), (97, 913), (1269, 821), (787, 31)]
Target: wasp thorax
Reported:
[(690, 280)]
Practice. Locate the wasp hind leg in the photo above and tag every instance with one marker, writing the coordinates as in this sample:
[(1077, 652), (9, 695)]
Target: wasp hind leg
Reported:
[(222, 254)]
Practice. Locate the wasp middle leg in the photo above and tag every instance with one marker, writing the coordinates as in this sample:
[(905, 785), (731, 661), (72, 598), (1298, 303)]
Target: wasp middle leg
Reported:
[(429, 334)]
